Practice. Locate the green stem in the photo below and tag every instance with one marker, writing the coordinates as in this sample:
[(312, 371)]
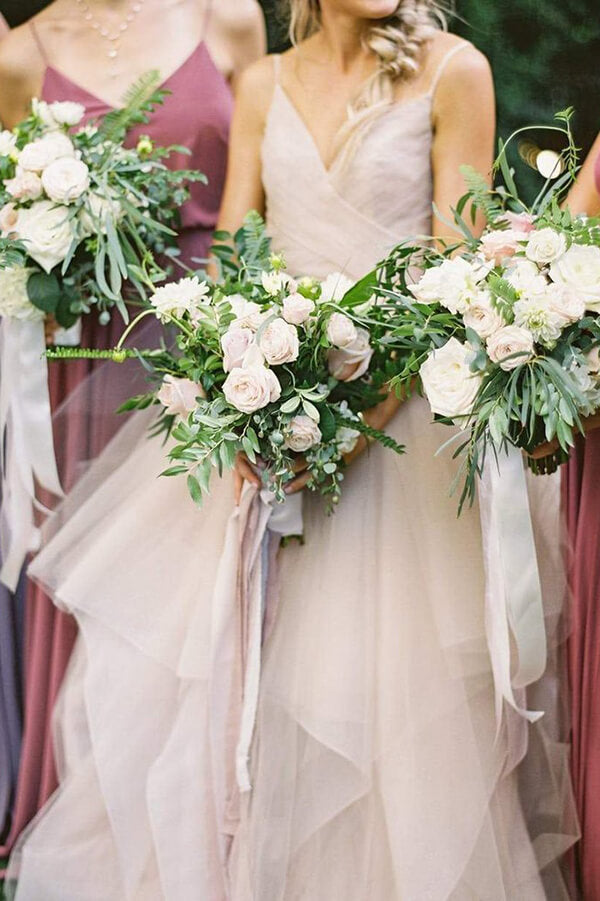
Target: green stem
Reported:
[(132, 325)]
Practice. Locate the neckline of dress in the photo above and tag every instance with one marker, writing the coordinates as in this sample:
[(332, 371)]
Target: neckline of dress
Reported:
[(328, 169), (200, 46)]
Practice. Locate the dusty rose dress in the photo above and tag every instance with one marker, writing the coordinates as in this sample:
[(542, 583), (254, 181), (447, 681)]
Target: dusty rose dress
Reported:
[(582, 498), (197, 116)]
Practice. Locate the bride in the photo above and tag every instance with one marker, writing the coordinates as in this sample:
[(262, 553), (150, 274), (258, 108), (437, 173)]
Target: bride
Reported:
[(377, 772)]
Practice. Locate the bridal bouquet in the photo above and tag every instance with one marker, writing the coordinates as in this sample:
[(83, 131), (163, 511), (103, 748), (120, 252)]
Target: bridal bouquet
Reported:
[(267, 365), (504, 331), (82, 214)]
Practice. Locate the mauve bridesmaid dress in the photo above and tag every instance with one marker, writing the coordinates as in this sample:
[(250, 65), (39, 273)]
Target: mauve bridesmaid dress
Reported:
[(582, 500), (196, 115)]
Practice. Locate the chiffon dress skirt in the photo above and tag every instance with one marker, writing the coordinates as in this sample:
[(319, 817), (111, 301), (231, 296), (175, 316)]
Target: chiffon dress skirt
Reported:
[(377, 767), (196, 115)]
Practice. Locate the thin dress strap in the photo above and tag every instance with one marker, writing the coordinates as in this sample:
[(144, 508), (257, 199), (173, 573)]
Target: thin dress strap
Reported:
[(207, 15), (444, 62), (36, 37)]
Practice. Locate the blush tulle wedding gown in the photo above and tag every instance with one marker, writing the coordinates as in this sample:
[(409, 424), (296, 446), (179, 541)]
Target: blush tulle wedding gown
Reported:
[(376, 769)]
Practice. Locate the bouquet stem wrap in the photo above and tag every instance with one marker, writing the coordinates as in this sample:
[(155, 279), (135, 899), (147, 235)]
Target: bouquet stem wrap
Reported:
[(244, 607), (26, 442), (514, 609)]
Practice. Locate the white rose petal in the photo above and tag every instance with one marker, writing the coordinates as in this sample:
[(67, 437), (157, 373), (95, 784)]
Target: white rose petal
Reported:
[(179, 395), (579, 269), (14, 300), (273, 282), (248, 314), (24, 186), (334, 287), (279, 342), (38, 154), (341, 331), (67, 112), (525, 277), (449, 384), (482, 316), (545, 246), (235, 342), (454, 284), (46, 231), (297, 309), (251, 389), (510, 340), (9, 216), (8, 143), (302, 433), (65, 180)]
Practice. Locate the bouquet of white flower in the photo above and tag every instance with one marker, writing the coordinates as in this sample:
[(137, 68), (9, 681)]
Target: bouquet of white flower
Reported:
[(504, 330), (81, 215), (267, 365)]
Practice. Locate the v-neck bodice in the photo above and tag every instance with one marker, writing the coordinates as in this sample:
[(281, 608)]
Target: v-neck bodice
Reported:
[(196, 114)]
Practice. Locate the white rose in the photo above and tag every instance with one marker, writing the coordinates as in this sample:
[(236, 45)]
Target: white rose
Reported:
[(39, 154), (536, 315), (525, 277), (24, 186), (482, 316), (569, 305), (341, 331), (177, 298), (346, 439), (592, 359), (279, 342), (545, 246), (235, 342), (247, 313), (449, 384), (334, 287), (9, 217), (302, 433), (579, 269), (351, 363), (47, 233), (67, 112), (297, 309), (512, 339), (179, 395), (454, 284), (251, 389), (8, 143), (14, 300), (41, 109), (65, 180)]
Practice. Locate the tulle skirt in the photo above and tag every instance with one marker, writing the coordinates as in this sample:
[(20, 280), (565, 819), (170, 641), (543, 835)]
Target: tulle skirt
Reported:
[(377, 768)]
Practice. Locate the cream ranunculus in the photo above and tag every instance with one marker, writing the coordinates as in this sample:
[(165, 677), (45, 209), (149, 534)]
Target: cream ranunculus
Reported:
[(14, 300), (579, 269), (545, 246), (510, 341), (65, 180), (235, 342), (351, 363), (341, 331), (334, 287), (454, 284), (482, 316), (67, 112), (297, 309), (279, 342), (179, 395), (252, 388), (449, 384), (38, 154), (302, 433), (46, 231), (24, 186)]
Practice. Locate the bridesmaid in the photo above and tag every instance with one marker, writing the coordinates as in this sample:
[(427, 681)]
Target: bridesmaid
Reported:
[(91, 52), (582, 499)]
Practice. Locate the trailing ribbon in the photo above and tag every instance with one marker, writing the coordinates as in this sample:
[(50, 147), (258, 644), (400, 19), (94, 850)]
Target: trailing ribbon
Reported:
[(514, 608), (26, 441)]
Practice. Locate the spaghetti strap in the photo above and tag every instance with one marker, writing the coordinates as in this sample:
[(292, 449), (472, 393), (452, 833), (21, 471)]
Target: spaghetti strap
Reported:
[(444, 62), (206, 20), (36, 37)]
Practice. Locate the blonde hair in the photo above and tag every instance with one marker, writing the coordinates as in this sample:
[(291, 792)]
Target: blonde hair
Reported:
[(397, 43)]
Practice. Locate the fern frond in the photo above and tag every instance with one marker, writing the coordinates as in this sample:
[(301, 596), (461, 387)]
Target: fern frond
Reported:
[(139, 101), (483, 196), (256, 243), (374, 434)]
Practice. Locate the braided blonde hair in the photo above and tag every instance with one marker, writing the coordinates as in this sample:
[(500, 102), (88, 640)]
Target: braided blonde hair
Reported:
[(397, 43)]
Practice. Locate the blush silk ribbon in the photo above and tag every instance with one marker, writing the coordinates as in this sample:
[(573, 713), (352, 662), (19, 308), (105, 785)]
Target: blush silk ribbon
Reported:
[(26, 447), (514, 611)]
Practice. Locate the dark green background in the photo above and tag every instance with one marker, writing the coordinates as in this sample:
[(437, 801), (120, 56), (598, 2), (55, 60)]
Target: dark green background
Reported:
[(545, 55)]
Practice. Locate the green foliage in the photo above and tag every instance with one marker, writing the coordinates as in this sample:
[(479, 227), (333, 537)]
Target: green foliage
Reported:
[(139, 102)]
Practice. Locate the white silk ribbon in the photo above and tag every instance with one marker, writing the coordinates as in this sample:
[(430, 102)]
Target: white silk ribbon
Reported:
[(514, 611), (26, 442), (283, 519)]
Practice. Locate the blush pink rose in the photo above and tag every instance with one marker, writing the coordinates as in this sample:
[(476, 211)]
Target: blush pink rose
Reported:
[(498, 246), (235, 342), (297, 309), (8, 218), (24, 186), (351, 362), (179, 395), (520, 222)]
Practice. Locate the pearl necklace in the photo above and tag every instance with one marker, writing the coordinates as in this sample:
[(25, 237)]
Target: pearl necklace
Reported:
[(112, 38)]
